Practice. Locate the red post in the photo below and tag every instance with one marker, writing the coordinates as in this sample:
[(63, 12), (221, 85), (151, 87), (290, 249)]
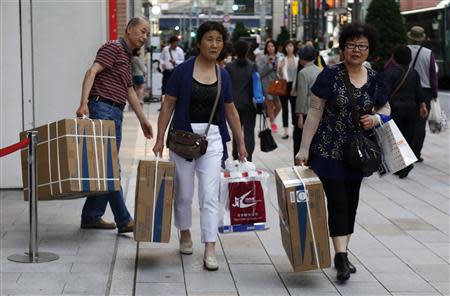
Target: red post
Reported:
[(112, 19)]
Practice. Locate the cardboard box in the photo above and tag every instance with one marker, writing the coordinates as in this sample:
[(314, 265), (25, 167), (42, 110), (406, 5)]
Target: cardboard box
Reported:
[(295, 215), (153, 204), (75, 158)]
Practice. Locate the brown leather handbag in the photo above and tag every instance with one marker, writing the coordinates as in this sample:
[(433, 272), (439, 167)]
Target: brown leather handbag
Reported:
[(277, 87), (190, 145)]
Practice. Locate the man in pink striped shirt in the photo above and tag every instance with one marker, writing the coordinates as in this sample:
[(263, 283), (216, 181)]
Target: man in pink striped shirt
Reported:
[(107, 86)]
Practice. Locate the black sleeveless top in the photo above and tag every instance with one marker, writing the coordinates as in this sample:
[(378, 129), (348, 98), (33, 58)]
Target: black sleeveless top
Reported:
[(202, 102)]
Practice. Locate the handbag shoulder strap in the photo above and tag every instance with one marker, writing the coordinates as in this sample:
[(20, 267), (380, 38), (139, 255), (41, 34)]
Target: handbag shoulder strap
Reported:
[(416, 57), (216, 102), (351, 94), (401, 83)]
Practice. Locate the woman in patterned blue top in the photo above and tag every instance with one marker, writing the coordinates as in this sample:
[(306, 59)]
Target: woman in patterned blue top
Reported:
[(328, 129)]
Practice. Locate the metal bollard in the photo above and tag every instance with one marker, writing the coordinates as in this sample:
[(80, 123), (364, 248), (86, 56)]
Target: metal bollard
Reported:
[(33, 256)]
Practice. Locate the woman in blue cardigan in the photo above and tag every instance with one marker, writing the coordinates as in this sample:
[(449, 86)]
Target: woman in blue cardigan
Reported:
[(190, 97)]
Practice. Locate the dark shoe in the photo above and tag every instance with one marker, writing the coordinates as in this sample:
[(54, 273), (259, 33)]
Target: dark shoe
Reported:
[(285, 137), (127, 227), (351, 267), (420, 159), (100, 224), (341, 264), (404, 173)]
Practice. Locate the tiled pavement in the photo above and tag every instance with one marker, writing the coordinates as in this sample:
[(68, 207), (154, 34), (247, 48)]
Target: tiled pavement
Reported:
[(400, 246)]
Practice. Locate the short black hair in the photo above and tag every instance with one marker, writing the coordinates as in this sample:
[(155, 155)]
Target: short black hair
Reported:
[(307, 53), (356, 30), (173, 39), (402, 55), (286, 44), (267, 43), (211, 26), (240, 49), (133, 22)]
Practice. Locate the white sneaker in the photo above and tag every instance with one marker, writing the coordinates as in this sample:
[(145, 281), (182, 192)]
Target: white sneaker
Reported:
[(186, 248), (210, 263)]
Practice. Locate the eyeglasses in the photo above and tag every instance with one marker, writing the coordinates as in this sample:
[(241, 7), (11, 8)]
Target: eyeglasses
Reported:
[(361, 47)]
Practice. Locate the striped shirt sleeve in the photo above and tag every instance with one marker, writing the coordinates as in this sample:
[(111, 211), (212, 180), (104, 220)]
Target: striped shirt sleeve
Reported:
[(107, 55)]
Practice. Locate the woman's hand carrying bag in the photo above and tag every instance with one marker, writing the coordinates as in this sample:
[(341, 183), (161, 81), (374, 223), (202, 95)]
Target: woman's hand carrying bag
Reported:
[(190, 145)]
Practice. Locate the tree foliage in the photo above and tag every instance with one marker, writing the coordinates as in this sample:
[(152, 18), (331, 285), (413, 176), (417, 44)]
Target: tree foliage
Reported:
[(239, 31), (385, 16)]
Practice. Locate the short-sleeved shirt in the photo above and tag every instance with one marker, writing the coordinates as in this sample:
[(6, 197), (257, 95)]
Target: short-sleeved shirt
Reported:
[(180, 86), (113, 82), (335, 127)]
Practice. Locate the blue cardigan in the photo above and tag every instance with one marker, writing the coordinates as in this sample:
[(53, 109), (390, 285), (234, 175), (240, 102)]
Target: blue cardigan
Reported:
[(180, 87)]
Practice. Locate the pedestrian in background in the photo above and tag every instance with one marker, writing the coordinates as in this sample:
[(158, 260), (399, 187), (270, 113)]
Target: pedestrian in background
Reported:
[(241, 82), (287, 70), (305, 80), (329, 128), (138, 70), (107, 86), (267, 67), (171, 56), (225, 56), (424, 62), (191, 93), (406, 97)]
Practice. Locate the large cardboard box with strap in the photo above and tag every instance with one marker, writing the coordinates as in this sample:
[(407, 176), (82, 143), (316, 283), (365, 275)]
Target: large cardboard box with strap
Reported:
[(153, 204), (303, 218), (75, 158)]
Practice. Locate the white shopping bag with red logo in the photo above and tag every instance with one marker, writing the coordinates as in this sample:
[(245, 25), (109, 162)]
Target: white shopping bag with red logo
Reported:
[(242, 193)]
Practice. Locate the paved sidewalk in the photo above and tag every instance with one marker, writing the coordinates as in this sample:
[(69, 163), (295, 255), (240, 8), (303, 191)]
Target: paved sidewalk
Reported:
[(400, 246)]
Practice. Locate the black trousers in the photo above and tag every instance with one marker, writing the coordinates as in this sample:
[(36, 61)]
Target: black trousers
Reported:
[(342, 203), (420, 126), (165, 79), (285, 100), (297, 135), (248, 122)]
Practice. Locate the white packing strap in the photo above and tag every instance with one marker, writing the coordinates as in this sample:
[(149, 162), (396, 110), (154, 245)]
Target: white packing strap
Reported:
[(157, 158), (103, 155), (75, 179), (57, 158), (309, 217), (78, 154), (96, 154), (49, 160)]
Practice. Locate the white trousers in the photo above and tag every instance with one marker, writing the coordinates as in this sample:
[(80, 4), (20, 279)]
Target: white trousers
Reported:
[(207, 168)]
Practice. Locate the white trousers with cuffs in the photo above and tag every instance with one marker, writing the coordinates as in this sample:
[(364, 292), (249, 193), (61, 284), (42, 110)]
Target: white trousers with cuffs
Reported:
[(207, 169)]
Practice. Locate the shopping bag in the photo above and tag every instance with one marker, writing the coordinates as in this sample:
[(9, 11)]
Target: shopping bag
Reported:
[(437, 120), (266, 140), (277, 87), (396, 152), (242, 192)]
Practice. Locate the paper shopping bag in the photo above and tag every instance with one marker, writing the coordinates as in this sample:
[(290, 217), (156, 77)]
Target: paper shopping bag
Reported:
[(396, 152)]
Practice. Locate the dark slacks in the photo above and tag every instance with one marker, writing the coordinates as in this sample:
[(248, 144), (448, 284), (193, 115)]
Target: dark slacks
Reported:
[(297, 135), (165, 79), (248, 121), (285, 100), (342, 203), (420, 126)]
